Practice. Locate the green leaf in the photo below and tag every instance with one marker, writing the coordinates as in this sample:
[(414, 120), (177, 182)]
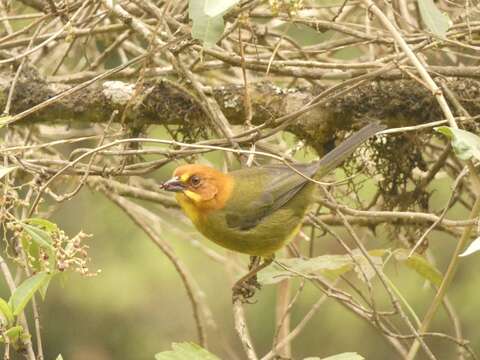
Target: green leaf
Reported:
[(208, 29), (342, 356), (186, 351), (43, 224), (436, 21), (4, 120), (22, 294), (6, 313), (33, 250), (421, 265), (363, 267), (473, 247), (217, 7), (39, 236), (465, 143), (40, 231), (6, 170), (14, 333), (330, 266), (345, 356), (59, 357), (43, 289)]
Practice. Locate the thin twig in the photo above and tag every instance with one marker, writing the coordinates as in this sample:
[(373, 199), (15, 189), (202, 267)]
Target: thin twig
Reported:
[(242, 330), (146, 221)]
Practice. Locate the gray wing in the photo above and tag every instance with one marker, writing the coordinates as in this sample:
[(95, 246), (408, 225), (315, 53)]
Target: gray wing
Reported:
[(273, 186)]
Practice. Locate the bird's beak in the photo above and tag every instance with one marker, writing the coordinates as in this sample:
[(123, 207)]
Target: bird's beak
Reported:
[(174, 185)]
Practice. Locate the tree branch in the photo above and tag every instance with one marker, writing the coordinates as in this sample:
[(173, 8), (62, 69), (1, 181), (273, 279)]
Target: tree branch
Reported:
[(397, 103)]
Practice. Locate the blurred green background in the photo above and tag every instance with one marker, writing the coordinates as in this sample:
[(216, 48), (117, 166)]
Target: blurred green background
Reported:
[(137, 306)]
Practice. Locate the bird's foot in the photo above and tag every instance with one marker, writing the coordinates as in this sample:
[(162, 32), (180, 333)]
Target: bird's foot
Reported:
[(244, 290)]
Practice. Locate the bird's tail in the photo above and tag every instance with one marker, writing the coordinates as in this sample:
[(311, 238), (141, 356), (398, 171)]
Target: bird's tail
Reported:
[(335, 157)]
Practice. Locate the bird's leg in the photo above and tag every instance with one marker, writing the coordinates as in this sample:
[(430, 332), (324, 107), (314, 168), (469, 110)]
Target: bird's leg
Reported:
[(245, 287), (254, 262), (252, 282)]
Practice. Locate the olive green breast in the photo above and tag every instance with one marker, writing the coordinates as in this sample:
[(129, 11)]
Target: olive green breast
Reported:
[(264, 212)]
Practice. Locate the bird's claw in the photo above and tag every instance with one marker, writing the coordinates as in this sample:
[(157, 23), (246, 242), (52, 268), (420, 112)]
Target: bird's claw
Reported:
[(244, 290)]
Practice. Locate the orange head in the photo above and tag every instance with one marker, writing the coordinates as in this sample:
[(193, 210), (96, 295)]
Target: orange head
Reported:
[(204, 187)]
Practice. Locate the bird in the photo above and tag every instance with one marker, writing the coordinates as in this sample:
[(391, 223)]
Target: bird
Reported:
[(255, 210)]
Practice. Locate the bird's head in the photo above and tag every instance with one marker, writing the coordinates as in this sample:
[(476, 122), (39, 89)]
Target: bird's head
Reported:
[(200, 185)]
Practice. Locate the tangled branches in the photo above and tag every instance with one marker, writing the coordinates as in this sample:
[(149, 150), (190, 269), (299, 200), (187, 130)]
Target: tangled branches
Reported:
[(106, 95)]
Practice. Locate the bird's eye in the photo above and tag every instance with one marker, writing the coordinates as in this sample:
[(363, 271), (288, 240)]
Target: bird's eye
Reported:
[(195, 181)]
